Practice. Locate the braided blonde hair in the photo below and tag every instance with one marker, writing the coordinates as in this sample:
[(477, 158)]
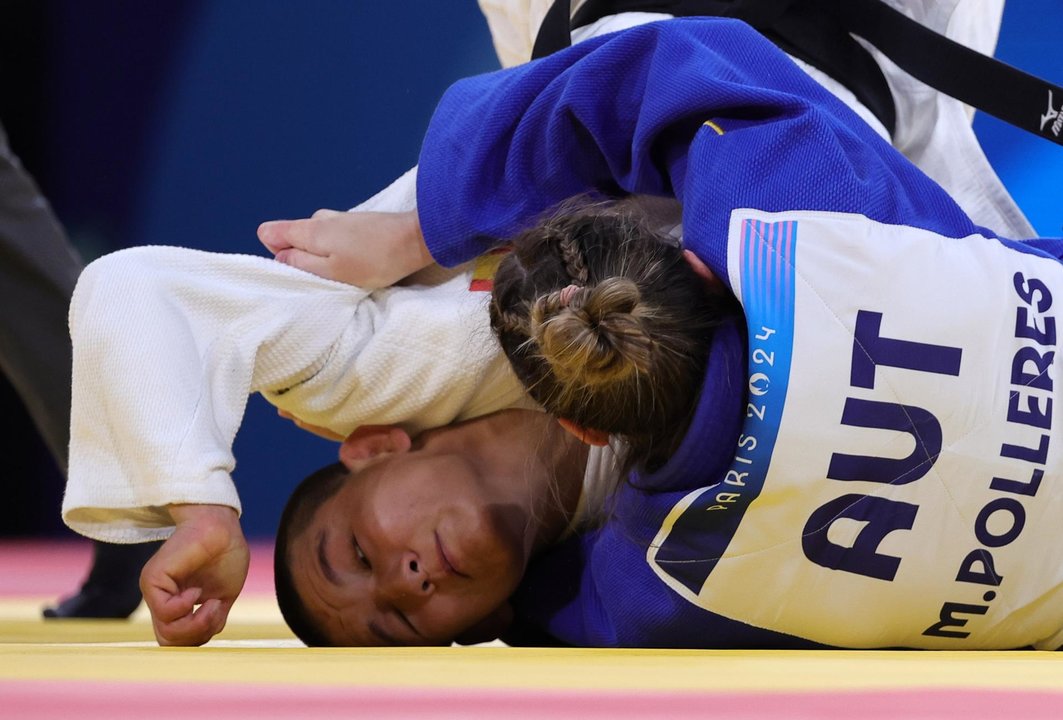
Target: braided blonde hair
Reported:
[(606, 324)]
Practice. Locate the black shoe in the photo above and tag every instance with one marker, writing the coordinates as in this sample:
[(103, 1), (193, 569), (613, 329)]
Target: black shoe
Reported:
[(112, 589)]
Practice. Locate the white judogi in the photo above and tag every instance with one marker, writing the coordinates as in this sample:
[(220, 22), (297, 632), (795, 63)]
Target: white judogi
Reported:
[(169, 342)]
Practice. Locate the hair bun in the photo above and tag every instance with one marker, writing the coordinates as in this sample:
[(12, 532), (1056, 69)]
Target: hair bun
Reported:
[(597, 336)]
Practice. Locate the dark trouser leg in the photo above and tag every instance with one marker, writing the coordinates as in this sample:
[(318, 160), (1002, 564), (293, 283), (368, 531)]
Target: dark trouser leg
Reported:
[(112, 589), (38, 270)]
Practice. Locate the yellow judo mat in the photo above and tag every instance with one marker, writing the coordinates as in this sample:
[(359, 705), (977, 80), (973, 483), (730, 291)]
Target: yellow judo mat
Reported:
[(256, 669)]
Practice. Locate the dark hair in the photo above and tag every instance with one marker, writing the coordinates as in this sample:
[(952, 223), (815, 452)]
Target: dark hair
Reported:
[(607, 325), (315, 489)]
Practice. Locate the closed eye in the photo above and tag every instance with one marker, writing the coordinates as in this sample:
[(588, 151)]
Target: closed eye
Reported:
[(323, 563)]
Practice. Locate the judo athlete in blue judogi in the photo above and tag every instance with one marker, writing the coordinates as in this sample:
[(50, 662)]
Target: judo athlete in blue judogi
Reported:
[(874, 458)]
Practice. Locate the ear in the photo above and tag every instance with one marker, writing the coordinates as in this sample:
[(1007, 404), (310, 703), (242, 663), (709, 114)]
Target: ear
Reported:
[(700, 269), (371, 441), (590, 436), (490, 628)]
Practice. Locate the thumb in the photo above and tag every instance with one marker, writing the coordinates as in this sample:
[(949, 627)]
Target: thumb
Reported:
[(217, 614)]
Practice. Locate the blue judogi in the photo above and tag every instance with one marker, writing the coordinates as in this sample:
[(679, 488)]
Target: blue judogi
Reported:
[(874, 457)]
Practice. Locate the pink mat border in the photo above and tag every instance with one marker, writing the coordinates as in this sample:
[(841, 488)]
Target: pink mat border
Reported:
[(44, 700)]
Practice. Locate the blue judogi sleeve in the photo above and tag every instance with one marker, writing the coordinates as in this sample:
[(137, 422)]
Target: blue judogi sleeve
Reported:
[(705, 110)]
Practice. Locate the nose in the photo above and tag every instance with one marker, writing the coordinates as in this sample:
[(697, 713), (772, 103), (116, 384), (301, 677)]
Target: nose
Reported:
[(405, 580)]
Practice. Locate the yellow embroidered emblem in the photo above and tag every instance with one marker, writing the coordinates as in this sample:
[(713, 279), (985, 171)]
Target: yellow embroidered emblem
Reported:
[(484, 268)]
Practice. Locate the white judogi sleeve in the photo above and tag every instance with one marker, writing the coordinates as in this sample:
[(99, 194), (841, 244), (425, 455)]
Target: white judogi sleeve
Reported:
[(169, 342)]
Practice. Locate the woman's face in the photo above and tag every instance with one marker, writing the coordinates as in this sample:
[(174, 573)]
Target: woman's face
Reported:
[(413, 550)]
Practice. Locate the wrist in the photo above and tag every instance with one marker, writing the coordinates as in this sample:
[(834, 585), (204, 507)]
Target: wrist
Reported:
[(214, 528), (416, 253), (193, 513)]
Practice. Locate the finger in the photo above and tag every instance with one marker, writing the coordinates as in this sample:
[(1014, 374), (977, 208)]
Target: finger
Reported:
[(325, 213), (277, 235), (319, 431), (192, 629), (272, 235), (305, 261), (315, 429), (167, 607), (217, 615), (154, 578)]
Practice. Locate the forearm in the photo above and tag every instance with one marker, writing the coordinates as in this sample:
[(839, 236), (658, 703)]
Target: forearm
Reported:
[(168, 343), (420, 356), (137, 389), (409, 253)]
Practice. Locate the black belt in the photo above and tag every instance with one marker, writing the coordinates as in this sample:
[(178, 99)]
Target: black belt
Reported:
[(818, 32)]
